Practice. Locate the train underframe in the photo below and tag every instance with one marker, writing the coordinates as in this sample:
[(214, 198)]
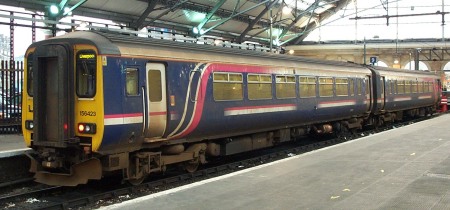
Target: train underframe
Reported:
[(136, 166)]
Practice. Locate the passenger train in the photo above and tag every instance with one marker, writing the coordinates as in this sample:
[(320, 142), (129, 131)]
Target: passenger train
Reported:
[(97, 103)]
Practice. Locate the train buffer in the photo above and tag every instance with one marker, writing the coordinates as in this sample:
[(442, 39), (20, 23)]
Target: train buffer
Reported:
[(444, 101)]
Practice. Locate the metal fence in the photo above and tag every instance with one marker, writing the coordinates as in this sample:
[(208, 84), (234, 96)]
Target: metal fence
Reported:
[(11, 83)]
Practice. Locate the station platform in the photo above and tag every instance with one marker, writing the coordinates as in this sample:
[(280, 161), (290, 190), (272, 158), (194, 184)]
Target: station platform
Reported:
[(403, 168), (12, 145)]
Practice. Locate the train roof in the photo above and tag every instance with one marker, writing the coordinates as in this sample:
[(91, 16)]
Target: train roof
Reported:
[(143, 41), (107, 44), (110, 43), (103, 45), (405, 72)]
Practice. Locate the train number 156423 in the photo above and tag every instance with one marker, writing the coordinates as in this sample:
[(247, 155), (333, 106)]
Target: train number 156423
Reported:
[(88, 113)]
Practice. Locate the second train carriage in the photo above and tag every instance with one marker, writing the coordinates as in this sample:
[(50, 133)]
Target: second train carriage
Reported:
[(98, 102), (401, 90)]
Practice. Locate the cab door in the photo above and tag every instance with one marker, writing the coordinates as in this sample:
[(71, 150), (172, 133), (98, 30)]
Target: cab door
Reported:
[(156, 99)]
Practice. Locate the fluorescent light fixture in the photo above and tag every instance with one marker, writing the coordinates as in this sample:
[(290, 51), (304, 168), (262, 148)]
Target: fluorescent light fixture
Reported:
[(54, 9), (195, 30), (193, 16)]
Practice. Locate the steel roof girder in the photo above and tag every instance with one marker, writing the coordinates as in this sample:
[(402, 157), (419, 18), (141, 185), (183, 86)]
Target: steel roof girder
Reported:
[(232, 16), (74, 7), (62, 4), (257, 18), (210, 14), (299, 16), (174, 6), (339, 5), (139, 22)]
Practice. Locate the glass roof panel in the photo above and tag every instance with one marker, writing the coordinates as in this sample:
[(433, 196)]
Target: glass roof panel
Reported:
[(422, 20), (300, 4)]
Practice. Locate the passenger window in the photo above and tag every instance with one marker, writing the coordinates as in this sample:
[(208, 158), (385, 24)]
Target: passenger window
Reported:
[(285, 87), (367, 81), (401, 87), (259, 86), (131, 81), (30, 74), (307, 87), (341, 87), (407, 86), (86, 65), (352, 86), (393, 86), (227, 86), (325, 86), (421, 87), (388, 86), (415, 86), (359, 86)]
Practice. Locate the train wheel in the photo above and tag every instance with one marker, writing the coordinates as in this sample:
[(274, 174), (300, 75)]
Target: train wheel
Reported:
[(192, 166), (138, 181), (343, 132), (136, 172)]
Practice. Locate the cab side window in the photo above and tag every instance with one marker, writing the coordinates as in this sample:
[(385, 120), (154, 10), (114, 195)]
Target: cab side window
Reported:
[(132, 81)]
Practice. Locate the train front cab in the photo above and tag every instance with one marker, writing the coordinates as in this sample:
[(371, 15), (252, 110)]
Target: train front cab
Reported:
[(62, 112)]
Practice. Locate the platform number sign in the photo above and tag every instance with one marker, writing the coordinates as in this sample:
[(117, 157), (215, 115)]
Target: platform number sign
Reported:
[(373, 60)]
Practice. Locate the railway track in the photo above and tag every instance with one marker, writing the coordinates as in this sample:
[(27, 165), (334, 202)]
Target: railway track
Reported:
[(96, 194), (14, 170)]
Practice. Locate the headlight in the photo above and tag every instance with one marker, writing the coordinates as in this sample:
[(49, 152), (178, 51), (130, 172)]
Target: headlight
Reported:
[(29, 125), (89, 128)]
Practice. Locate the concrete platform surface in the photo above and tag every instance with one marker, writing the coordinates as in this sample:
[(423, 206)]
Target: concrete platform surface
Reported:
[(12, 145), (404, 168)]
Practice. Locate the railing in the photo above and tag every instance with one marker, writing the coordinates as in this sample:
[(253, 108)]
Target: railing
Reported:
[(11, 83)]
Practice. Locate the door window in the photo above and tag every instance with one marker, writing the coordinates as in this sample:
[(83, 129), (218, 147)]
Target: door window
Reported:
[(155, 85)]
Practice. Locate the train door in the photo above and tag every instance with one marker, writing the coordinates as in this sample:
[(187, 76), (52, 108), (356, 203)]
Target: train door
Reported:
[(156, 99), (368, 92), (382, 92)]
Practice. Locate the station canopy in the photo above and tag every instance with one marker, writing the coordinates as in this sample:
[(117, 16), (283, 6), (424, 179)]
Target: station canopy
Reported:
[(274, 22), (280, 22)]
